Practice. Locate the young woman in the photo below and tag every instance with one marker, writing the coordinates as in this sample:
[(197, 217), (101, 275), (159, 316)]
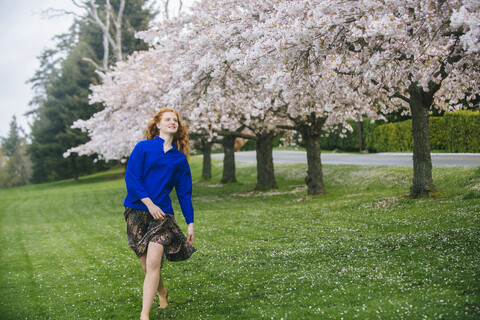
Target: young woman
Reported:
[(155, 167)]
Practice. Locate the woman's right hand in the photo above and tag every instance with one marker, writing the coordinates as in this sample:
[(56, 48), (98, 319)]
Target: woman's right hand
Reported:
[(154, 210)]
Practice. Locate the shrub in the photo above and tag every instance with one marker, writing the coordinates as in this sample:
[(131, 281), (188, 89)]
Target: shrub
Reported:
[(462, 131), (455, 132), (390, 137), (438, 138), (369, 134)]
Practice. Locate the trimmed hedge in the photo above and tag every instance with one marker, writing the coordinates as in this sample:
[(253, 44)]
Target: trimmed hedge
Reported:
[(454, 132), (393, 137), (462, 131), (438, 139)]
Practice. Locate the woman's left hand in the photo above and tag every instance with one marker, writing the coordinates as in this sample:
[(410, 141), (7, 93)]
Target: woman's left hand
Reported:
[(190, 236)]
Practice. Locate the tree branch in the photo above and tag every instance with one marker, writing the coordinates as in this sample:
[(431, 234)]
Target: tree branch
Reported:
[(235, 134), (201, 136), (95, 64), (285, 127), (398, 95), (94, 13)]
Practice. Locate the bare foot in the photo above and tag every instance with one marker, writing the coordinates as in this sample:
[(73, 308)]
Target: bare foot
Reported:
[(162, 298), (144, 316)]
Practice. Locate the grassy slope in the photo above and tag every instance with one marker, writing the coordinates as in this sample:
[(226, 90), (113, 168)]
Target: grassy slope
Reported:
[(361, 251)]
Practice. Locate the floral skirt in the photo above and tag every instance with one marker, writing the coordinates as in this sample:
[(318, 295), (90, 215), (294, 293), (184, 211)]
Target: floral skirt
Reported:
[(142, 228)]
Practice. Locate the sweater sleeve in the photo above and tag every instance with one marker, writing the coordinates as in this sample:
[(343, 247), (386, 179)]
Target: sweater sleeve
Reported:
[(134, 174), (183, 189)]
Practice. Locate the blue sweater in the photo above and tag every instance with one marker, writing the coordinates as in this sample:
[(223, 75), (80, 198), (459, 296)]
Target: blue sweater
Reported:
[(152, 173)]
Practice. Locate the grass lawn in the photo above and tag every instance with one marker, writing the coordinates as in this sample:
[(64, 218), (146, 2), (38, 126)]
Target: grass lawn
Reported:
[(362, 251)]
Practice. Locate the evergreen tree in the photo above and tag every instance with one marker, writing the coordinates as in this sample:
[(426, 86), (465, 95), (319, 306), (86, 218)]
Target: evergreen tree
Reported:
[(11, 144), (62, 85), (66, 101), (14, 164)]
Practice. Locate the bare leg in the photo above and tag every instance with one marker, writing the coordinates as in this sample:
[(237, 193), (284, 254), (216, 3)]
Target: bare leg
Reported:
[(152, 277), (162, 291)]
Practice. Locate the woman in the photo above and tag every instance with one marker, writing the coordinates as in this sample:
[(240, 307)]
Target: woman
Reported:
[(155, 166)]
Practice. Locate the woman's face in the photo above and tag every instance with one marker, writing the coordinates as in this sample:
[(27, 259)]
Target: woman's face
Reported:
[(169, 123)]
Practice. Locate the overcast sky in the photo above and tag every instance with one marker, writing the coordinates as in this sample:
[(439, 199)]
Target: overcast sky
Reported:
[(24, 33)]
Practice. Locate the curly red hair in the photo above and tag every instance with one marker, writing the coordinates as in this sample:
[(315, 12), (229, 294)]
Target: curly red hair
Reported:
[(180, 139)]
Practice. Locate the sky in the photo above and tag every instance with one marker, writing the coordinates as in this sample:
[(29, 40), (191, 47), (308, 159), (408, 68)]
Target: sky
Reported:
[(24, 34)]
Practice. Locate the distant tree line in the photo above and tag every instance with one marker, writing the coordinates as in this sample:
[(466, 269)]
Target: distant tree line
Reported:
[(15, 166)]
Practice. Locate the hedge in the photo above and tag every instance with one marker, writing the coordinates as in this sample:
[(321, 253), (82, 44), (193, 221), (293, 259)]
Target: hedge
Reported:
[(392, 137), (438, 139), (454, 132), (462, 131)]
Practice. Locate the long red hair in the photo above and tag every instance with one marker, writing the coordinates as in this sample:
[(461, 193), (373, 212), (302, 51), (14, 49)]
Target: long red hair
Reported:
[(180, 139)]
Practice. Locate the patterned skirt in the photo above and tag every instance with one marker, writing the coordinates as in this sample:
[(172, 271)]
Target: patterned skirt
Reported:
[(142, 228)]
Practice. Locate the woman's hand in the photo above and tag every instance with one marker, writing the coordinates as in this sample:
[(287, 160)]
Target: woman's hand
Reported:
[(154, 210), (190, 237)]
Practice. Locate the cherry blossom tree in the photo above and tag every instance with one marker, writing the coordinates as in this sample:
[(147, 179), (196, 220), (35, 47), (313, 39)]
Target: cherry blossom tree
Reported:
[(249, 87), (239, 52), (412, 56), (303, 65), (130, 92), (225, 98), (204, 119), (398, 55), (291, 47)]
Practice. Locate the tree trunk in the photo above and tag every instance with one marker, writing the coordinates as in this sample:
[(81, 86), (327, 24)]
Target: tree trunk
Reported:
[(106, 46), (118, 31), (265, 170), (314, 178), (228, 160), (311, 130), (207, 159), (74, 168), (360, 134), (422, 160)]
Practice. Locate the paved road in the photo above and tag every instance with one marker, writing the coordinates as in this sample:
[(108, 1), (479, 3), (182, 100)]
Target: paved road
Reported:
[(390, 159)]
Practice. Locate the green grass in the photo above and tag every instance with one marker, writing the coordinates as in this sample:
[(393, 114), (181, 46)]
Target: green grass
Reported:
[(363, 250)]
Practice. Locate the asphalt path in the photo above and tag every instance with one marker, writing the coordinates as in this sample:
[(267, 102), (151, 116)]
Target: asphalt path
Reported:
[(380, 159)]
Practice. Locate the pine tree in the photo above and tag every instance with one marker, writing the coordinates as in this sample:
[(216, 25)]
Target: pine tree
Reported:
[(62, 85), (15, 166)]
